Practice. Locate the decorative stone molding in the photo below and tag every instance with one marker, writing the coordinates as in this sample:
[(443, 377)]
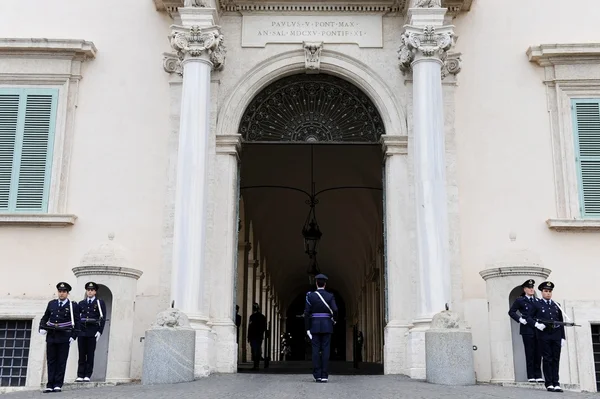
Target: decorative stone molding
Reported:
[(194, 3), (244, 6), (107, 271), (393, 145), (515, 271), (429, 4), (564, 54), (76, 49), (574, 224), (172, 64), (199, 42), (230, 144), (312, 52), (48, 220), (423, 42), (452, 65)]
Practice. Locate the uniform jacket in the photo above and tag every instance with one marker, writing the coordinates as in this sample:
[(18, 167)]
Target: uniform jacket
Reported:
[(257, 326), (315, 312), (91, 322), (545, 313), (55, 315), (524, 306)]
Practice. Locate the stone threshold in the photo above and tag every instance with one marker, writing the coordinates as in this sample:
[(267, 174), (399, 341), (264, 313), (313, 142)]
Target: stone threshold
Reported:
[(537, 385), (72, 386)]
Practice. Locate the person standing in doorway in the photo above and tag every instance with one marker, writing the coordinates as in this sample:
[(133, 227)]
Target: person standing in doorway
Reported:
[(93, 318), (552, 335), (238, 322), (320, 313), (533, 355), (59, 324), (256, 331)]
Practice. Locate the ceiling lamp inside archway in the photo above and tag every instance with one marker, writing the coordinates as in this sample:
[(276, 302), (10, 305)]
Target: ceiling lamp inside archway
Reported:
[(311, 108)]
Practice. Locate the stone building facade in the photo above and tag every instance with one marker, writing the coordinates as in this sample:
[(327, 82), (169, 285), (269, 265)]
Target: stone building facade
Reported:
[(138, 138)]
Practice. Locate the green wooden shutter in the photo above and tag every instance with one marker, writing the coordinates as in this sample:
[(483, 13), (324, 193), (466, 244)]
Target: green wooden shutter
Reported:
[(587, 153), (27, 124)]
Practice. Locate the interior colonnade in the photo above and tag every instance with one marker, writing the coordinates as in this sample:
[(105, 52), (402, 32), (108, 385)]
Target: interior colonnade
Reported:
[(369, 310), (255, 285)]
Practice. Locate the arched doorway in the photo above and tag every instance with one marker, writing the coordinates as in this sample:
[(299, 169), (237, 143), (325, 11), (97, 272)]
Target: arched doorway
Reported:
[(101, 355), (311, 152)]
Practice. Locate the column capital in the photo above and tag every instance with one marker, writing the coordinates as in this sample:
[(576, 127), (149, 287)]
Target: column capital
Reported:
[(425, 36), (230, 144), (393, 145), (197, 43)]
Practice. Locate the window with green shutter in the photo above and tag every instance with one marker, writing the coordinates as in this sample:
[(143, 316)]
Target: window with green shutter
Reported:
[(586, 116), (27, 124)]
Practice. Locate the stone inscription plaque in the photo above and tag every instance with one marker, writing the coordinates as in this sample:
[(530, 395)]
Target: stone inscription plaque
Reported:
[(364, 30)]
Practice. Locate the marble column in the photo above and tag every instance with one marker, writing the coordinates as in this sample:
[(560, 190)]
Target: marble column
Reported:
[(398, 279), (226, 204), (199, 51), (424, 46)]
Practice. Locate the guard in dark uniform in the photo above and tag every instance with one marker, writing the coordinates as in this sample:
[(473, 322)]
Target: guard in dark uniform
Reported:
[(320, 313), (60, 324), (256, 332), (533, 355), (552, 335), (93, 318)]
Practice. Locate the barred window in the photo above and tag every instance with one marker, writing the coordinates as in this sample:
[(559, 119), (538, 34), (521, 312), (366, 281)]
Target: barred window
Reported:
[(15, 337)]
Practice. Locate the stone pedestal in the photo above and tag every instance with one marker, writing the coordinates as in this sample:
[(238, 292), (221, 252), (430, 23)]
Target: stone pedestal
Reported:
[(169, 350), (449, 351)]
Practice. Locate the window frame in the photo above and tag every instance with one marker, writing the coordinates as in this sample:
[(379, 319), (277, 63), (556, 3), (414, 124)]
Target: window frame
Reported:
[(571, 72), (48, 64)]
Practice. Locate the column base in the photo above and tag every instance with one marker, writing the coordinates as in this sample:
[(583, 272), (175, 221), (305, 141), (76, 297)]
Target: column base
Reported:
[(415, 348), (225, 346), (204, 359), (394, 349)]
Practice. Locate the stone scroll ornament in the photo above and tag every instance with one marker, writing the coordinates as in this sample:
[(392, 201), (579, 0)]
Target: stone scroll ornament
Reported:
[(197, 43), (427, 43), (429, 4)]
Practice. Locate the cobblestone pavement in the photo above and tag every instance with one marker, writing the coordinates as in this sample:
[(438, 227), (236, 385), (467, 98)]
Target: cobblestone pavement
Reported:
[(285, 386)]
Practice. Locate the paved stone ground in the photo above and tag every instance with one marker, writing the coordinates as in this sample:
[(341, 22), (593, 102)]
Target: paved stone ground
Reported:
[(286, 386)]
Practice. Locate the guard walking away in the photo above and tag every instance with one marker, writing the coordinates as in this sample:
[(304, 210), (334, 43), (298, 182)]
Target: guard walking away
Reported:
[(256, 331), (59, 324), (93, 318), (547, 317), (320, 313), (533, 355)]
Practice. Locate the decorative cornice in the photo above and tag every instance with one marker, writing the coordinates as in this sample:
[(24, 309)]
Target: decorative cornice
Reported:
[(515, 271), (580, 225), (78, 49), (454, 7), (199, 42), (564, 54), (107, 271), (281, 6), (230, 144), (312, 53), (423, 42), (393, 145)]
